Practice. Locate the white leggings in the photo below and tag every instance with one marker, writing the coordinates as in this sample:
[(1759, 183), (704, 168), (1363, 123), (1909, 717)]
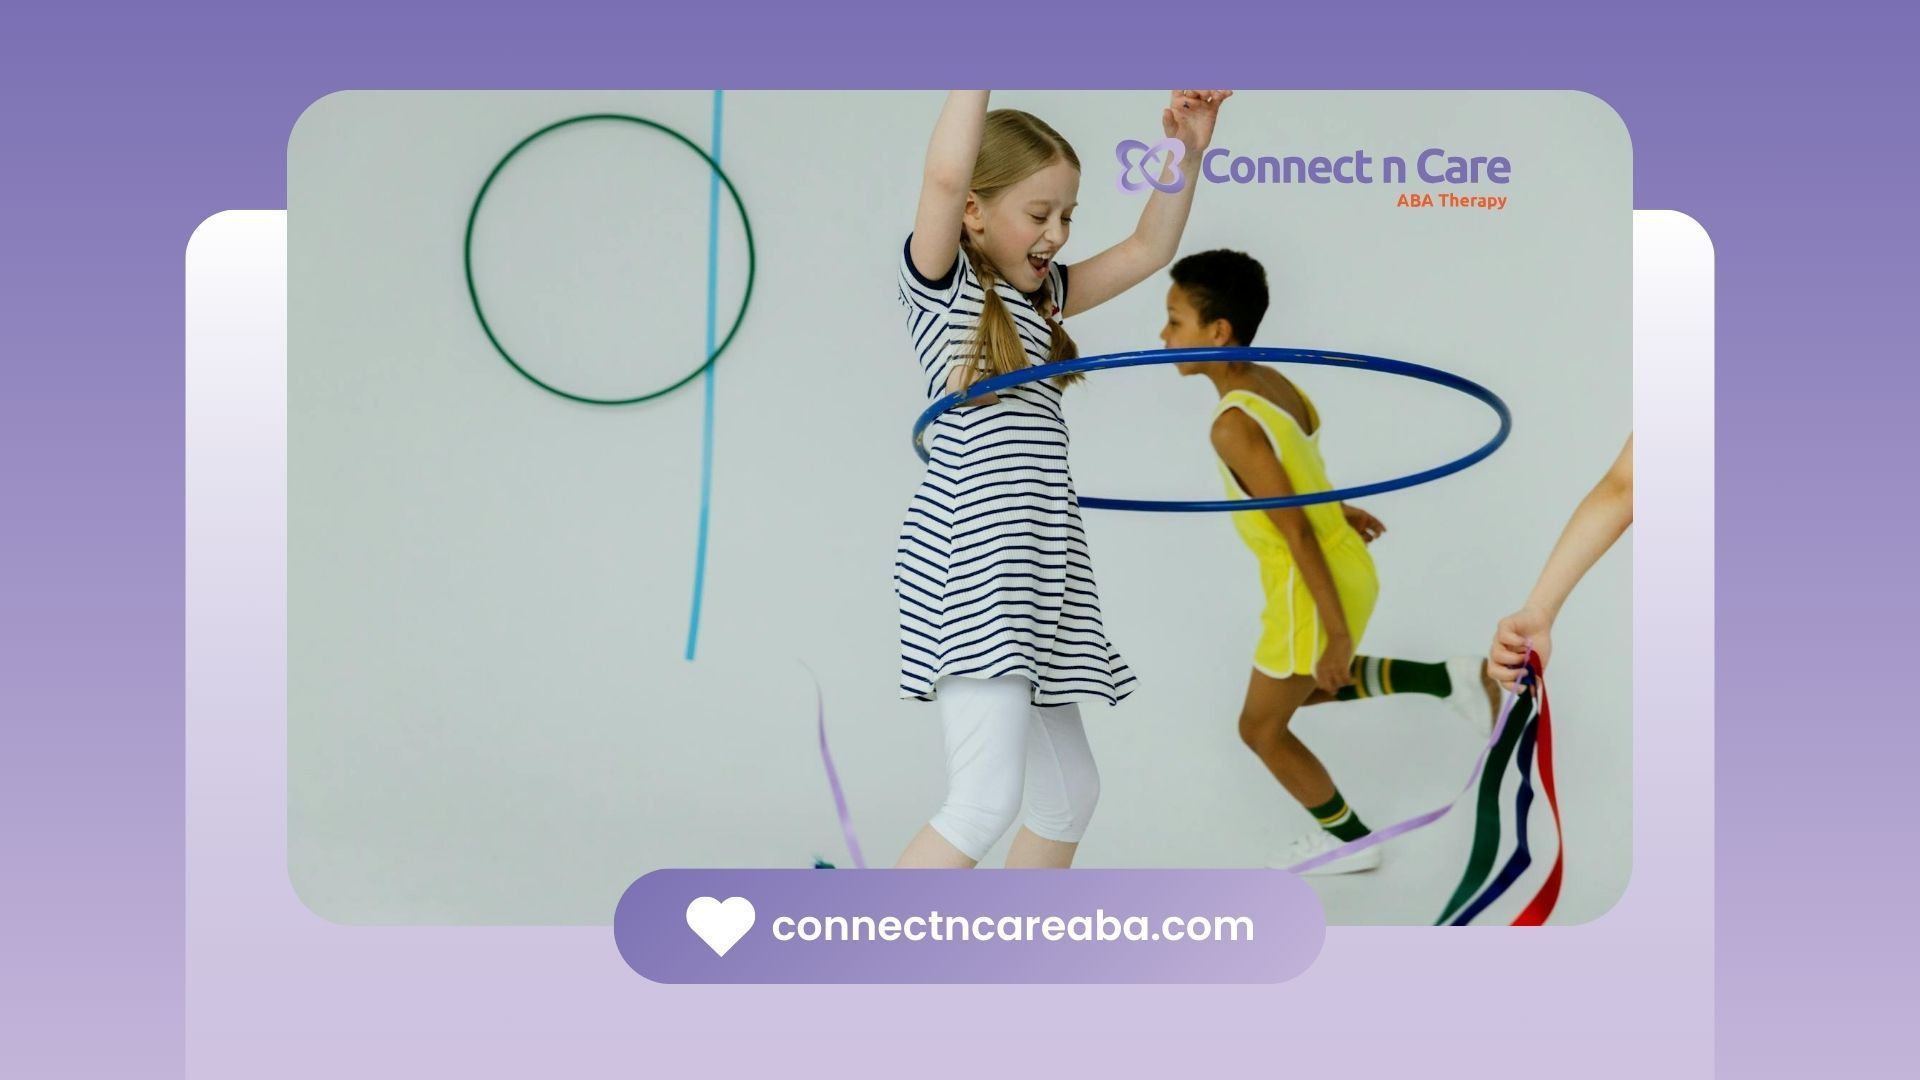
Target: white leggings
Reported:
[(999, 745)]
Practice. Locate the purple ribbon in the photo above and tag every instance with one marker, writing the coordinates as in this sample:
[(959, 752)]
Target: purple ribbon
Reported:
[(1421, 821), (833, 775)]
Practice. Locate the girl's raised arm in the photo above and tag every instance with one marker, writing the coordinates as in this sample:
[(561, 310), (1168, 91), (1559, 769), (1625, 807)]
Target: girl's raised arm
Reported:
[(1190, 118), (944, 183)]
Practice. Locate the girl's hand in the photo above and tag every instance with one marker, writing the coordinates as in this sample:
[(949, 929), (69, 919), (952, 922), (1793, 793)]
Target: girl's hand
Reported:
[(1507, 659), (1334, 669), (1368, 526), (1190, 117)]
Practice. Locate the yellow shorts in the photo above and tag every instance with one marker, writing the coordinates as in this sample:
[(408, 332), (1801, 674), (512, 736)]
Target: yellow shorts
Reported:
[(1291, 635)]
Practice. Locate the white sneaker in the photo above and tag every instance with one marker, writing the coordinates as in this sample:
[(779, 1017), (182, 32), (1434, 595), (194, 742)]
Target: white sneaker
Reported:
[(1475, 696), (1319, 842)]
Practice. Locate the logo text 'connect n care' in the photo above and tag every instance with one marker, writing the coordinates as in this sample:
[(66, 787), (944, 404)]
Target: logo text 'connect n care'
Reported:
[(1140, 168)]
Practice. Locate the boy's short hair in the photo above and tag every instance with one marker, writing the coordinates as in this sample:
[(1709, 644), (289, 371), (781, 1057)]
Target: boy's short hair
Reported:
[(1222, 284)]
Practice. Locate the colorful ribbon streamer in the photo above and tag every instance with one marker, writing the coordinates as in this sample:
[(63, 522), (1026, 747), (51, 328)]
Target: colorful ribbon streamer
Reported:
[(1521, 858), (1486, 818), (1536, 744)]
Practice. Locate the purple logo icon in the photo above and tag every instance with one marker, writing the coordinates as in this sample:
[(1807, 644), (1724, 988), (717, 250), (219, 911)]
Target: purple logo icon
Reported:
[(1136, 156)]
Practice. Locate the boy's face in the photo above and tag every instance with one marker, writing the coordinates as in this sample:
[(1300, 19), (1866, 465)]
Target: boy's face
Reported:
[(1185, 331)]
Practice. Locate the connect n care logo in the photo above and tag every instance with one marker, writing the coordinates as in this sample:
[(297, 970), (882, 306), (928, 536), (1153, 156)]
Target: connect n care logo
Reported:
[(1137, 169)]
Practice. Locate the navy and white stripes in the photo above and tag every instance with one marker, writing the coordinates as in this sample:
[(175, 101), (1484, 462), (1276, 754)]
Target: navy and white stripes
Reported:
[(992, 571)]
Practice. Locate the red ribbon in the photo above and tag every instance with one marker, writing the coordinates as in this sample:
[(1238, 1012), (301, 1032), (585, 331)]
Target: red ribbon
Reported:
[(1541, 906)]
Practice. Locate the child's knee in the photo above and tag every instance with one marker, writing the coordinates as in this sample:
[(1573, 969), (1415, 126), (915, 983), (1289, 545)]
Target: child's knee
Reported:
[(1065, 819), (1083, 795), (975, 821), (1257, 729)]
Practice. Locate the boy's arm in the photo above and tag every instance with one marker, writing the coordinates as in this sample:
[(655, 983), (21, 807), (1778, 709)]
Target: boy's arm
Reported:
[(944, 182), (1240, 442), (1099, 279)]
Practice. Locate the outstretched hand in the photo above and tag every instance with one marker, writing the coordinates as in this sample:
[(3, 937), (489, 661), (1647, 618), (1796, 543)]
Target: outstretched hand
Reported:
[(1191, 115), (1507, 659)]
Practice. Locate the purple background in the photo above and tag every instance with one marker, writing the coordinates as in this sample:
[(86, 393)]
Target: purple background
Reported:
[(1776, 126)]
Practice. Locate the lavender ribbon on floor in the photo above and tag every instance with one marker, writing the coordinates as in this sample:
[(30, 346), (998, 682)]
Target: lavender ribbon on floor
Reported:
[(833, 775), (1421, 821)]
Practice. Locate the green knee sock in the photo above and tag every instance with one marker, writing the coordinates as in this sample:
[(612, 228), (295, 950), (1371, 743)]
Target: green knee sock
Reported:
[(1338, 818), (1377, 677)]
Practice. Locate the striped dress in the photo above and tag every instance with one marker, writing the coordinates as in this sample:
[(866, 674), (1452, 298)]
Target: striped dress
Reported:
[(992, 570)]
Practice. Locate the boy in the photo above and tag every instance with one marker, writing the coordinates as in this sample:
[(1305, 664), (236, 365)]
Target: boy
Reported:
[(1314, 565)]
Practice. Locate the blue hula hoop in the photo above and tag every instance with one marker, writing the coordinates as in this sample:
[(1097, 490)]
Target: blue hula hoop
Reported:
[(1219, 356)]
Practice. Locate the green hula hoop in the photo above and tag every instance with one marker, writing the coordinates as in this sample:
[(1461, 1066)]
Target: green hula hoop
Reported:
[(473, 291)]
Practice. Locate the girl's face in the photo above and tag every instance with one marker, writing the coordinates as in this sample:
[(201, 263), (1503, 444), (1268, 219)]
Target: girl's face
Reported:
[(1022, 229), (1185, 331)]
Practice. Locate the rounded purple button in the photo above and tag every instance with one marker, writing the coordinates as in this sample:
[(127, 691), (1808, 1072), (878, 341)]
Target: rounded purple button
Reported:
[(969, 926)]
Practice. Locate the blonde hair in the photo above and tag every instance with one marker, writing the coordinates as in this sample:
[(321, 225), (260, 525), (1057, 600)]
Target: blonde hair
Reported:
[(1013, 146)]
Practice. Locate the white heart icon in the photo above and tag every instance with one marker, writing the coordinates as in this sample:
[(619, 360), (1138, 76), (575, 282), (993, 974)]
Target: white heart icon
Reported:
[(720, 925)]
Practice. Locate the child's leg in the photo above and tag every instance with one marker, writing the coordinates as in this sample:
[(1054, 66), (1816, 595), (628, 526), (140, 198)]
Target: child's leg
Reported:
[(1454, 680), (1264, 721), (1375, 676), (985, 723), (1063, 786)]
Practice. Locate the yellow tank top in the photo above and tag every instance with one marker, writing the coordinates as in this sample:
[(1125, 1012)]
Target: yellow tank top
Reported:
[(1299, 455)]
